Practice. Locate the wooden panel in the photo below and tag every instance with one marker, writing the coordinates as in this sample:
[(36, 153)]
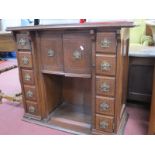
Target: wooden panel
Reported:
[(140, 79), (7, 43), (152, 113), (105, 105), (32, 108), (28, 77), (25, 59), (51, 51), (30, 93), (53, 91), (23, 42), (77, 53), (104, 123), (105, 64), (77, 91), (106, 42), (105, 86)]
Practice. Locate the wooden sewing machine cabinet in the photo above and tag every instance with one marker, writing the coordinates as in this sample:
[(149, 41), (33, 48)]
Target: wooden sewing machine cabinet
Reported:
[(74, 76)]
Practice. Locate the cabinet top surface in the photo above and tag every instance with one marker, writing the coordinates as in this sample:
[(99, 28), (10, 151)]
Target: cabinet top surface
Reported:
[(114, 24)]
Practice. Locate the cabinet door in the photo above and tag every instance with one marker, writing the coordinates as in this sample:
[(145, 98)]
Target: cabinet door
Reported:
[(77, 53), (51, 51)]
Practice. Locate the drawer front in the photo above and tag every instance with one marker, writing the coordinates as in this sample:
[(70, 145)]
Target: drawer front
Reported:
[(106, 42), (105, 86), (51, 51), (105, 64), (104, 123), (30, 93), (23, 42), (28, 77), (32, 107), (77, 53), (105, 105), (25, 59)]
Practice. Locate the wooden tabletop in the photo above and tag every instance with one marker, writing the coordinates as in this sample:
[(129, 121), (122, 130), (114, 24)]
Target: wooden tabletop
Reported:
[(75, 26)]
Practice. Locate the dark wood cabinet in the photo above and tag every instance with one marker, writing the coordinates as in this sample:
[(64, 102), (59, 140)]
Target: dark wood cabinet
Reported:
[(73, 76)]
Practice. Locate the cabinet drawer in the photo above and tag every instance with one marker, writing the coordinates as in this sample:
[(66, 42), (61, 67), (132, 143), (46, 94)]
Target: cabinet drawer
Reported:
[(105, 64), (105, 86), (106, 42), (105, 105), (51, 51), (32, 107), (28, 77), (30, 93), (23, 42), (104, 123), (77, 53), (25, 59)]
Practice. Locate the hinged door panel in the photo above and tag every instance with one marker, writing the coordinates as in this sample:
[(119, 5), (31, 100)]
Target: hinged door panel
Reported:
[(77, 53)]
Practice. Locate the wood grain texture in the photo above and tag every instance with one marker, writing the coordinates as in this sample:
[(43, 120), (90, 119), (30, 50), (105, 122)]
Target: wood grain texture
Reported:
[(106, 42), (7, 43), (25, 56), (109, 82), (77, 53), (28, 77), (68, 85), (103, 60), (51, 42), (108, 102), (107, 119)]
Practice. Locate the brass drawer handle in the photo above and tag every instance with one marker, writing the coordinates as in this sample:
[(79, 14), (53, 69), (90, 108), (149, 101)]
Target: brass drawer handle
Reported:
[(22, 42), (27, 77), (29, 94), (104, 125), (105, 66), (105, 87), (31, 109), (51, 53), (105, 43), (104, 106), (77, 55), (25, 60)]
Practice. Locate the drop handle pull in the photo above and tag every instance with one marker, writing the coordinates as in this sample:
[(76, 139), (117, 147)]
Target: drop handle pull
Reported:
[(104, 106), (25, 60), (105, 43), (105, 87), (104, 125), (105, 66), (51, 53), (22, 42), (77, 55)]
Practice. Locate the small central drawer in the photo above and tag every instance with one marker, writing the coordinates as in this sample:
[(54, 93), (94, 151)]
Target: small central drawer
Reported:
[(104, 123), (105, 64), (106, 42), (25, 59), (27, 76), (32, 107), (105, 105), (105, 86), (77, 53), (23, 42), (30, 93)]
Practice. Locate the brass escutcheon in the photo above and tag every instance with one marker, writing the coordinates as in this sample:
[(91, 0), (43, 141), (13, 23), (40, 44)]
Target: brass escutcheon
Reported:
[(105, 66), (105, 43), (104, 125)]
